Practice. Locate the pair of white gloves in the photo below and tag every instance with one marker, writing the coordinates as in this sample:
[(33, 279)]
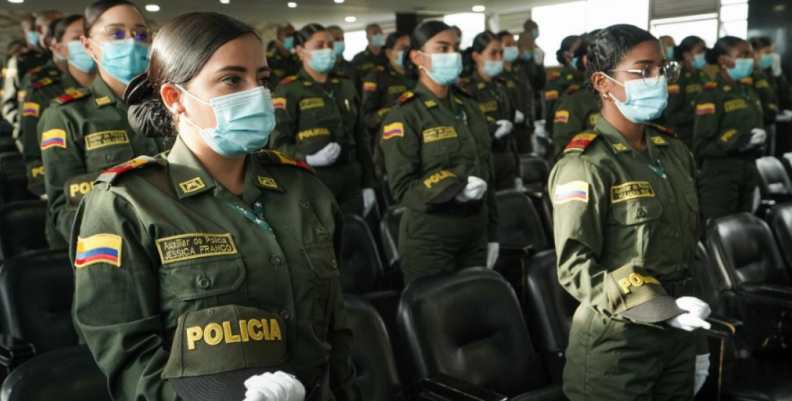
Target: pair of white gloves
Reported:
[(327, 156), (505, 127), (276, 386), (758, 138), (475, 190), (694, 318)]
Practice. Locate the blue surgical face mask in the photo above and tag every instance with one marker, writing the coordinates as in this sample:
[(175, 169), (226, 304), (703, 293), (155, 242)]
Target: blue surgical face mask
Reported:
[(644, 102), (699, 61), (124, 59), (288, 43), (339, 48), (58, 56), (527, 55), (743, 68), (378, 40), (399, 60), (766, 61), (670, 53), (574, 63), (244, 122), (493, 68), (510, 54), (32, 37), (535, 33), (322, 60), (79, 58), (446, 67)]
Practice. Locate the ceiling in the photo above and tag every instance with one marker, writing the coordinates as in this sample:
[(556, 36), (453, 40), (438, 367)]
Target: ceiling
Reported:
[(264, 12)]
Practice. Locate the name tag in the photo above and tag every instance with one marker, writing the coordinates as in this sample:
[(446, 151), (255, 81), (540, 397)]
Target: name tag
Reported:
[(736, 104), (105, 138), (397, 89), (194, 246), (693, 88), (438, 133), (303, 135), (489, 106), (312, 103), (631, 190)]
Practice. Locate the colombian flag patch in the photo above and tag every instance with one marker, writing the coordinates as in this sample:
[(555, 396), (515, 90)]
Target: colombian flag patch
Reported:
[(706, 108), (393, 130), (673, 89), (279, 103), (99, 248), (551, 95), (571, 191), (30, 109), (53, 138), (369, 86), (561, 116)]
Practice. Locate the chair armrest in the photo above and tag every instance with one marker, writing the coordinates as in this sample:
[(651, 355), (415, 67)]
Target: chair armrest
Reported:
[(14, 351), (453, 389), (723, 327)]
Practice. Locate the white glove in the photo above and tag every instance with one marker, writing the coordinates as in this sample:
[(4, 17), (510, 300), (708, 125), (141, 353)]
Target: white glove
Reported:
[(474, 190), (518, 185), (777, 71), (702, 371), (758, 137), (369, 198), (276, 386), (493, 249), (324, 157), (538, 55), (784, 116), (539, 128), (697, 311), (519, 117), (505, 127)]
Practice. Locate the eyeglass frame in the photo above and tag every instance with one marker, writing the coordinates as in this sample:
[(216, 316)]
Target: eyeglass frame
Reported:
[(128, 33), (669, 65)]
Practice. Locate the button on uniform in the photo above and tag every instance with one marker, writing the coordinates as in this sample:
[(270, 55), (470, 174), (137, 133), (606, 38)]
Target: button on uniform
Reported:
[(276, 260)]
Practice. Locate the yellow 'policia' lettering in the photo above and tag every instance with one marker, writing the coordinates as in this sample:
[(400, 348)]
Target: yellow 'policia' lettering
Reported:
[(247, 330)]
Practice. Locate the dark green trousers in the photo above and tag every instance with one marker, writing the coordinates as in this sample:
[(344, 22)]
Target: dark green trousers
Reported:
[(344, 180), (434, 243), (727, 186), (612, 360)]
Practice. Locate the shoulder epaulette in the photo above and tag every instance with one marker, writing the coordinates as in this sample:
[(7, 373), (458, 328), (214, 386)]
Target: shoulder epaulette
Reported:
[(71, 96), (290, 79), (663, 130), (110, 174), (462, 91), (580, 142), (710, 85), (275, 157), (553, 76), (406, 96), (747, 81), (42, 83), (572, 89), (33, 71)]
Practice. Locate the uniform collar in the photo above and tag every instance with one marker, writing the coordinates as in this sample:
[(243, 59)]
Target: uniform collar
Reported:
[(618, 144), (727, 86), (332, 79), (430, 100), (102, 95), (479, 82)]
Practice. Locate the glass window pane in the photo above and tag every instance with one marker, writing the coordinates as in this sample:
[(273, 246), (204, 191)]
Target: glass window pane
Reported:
[(728, 2), (705, 29), (471, 25), (734, 28), (734, 13), (600, 13), (354, 43), (557, 22)]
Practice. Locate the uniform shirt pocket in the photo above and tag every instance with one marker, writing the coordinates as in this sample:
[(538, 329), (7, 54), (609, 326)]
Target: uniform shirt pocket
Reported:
[(439, 141), (203, 278), (637, 211), (105, 149)]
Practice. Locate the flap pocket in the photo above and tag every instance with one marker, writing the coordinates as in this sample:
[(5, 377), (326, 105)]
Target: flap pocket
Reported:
[(637, 211), (203, 278), (322, 260)]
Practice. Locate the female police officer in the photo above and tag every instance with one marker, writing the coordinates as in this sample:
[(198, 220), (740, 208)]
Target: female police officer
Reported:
[(682, 94), (493, 98), (209, 224), (437, 154), (569, 78), (728, 134), (319, 122), (626, 228), (87, 131)]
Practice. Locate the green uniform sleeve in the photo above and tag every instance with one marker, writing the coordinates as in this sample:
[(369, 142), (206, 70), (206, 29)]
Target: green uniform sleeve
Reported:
[(363, 149), (706, 127), (373, 109), (675, 113), (284, 137), (33, 109), (117, 305), (551, 103), (493, 217), (568, 120)]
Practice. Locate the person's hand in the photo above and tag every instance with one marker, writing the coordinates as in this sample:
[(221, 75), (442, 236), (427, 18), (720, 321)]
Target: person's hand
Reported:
[(493, 249), (519, 117), (276, 386), (697, 311), (505, 127), (702, 371), (324, 157), (474, 190), (784, 116), (369, 199)]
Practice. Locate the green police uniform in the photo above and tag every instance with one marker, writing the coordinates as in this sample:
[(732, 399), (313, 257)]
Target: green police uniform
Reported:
[(537, 76), (159, 237), (283, 65), (15, 71), (725, 115), (681, 108), (558, 83), (626, 229), (431, 147), (311, 115), (493, 98), (347, 69), (577, 111), (82, 134), (367, 60), (769, 99), (522, 98)]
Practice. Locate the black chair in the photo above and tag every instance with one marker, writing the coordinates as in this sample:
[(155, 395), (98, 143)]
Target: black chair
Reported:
[(372, 352), (22, 228), (786, 160), (775, 184), (361, 267), (465, 330), (36, 294), (780, 220), (389, 229), (535, 170), (65, 374), (13, 178)]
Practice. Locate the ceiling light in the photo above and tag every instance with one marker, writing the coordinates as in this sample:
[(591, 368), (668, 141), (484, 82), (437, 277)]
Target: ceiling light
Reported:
[(16, 1), (339, 1), (292, 4), (152, 7), (479, 9), (225, 1), (350, 19)]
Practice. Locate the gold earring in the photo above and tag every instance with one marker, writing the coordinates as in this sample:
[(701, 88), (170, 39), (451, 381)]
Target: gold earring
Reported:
[(606, 96)]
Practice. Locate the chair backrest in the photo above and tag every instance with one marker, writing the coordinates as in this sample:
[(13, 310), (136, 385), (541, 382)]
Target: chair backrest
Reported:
[(13, 178), (742, 246), (22, 226), (361, 268), (65, 374), (535, 171), (468, 325), (390, 233), (774, 178), (36, 294), (780, 220), (520, 224), (372, 353)]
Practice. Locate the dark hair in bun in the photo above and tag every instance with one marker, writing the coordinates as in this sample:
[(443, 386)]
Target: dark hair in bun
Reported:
[(179, 52)]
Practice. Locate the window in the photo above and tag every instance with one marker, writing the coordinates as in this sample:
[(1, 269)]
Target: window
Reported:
[(704, 26), (600, 13), (471, 25), (734, 18), (354, 43)]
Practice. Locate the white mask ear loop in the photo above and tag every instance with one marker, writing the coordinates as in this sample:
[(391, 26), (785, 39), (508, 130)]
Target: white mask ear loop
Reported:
[(614, 80), (193, 96)]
